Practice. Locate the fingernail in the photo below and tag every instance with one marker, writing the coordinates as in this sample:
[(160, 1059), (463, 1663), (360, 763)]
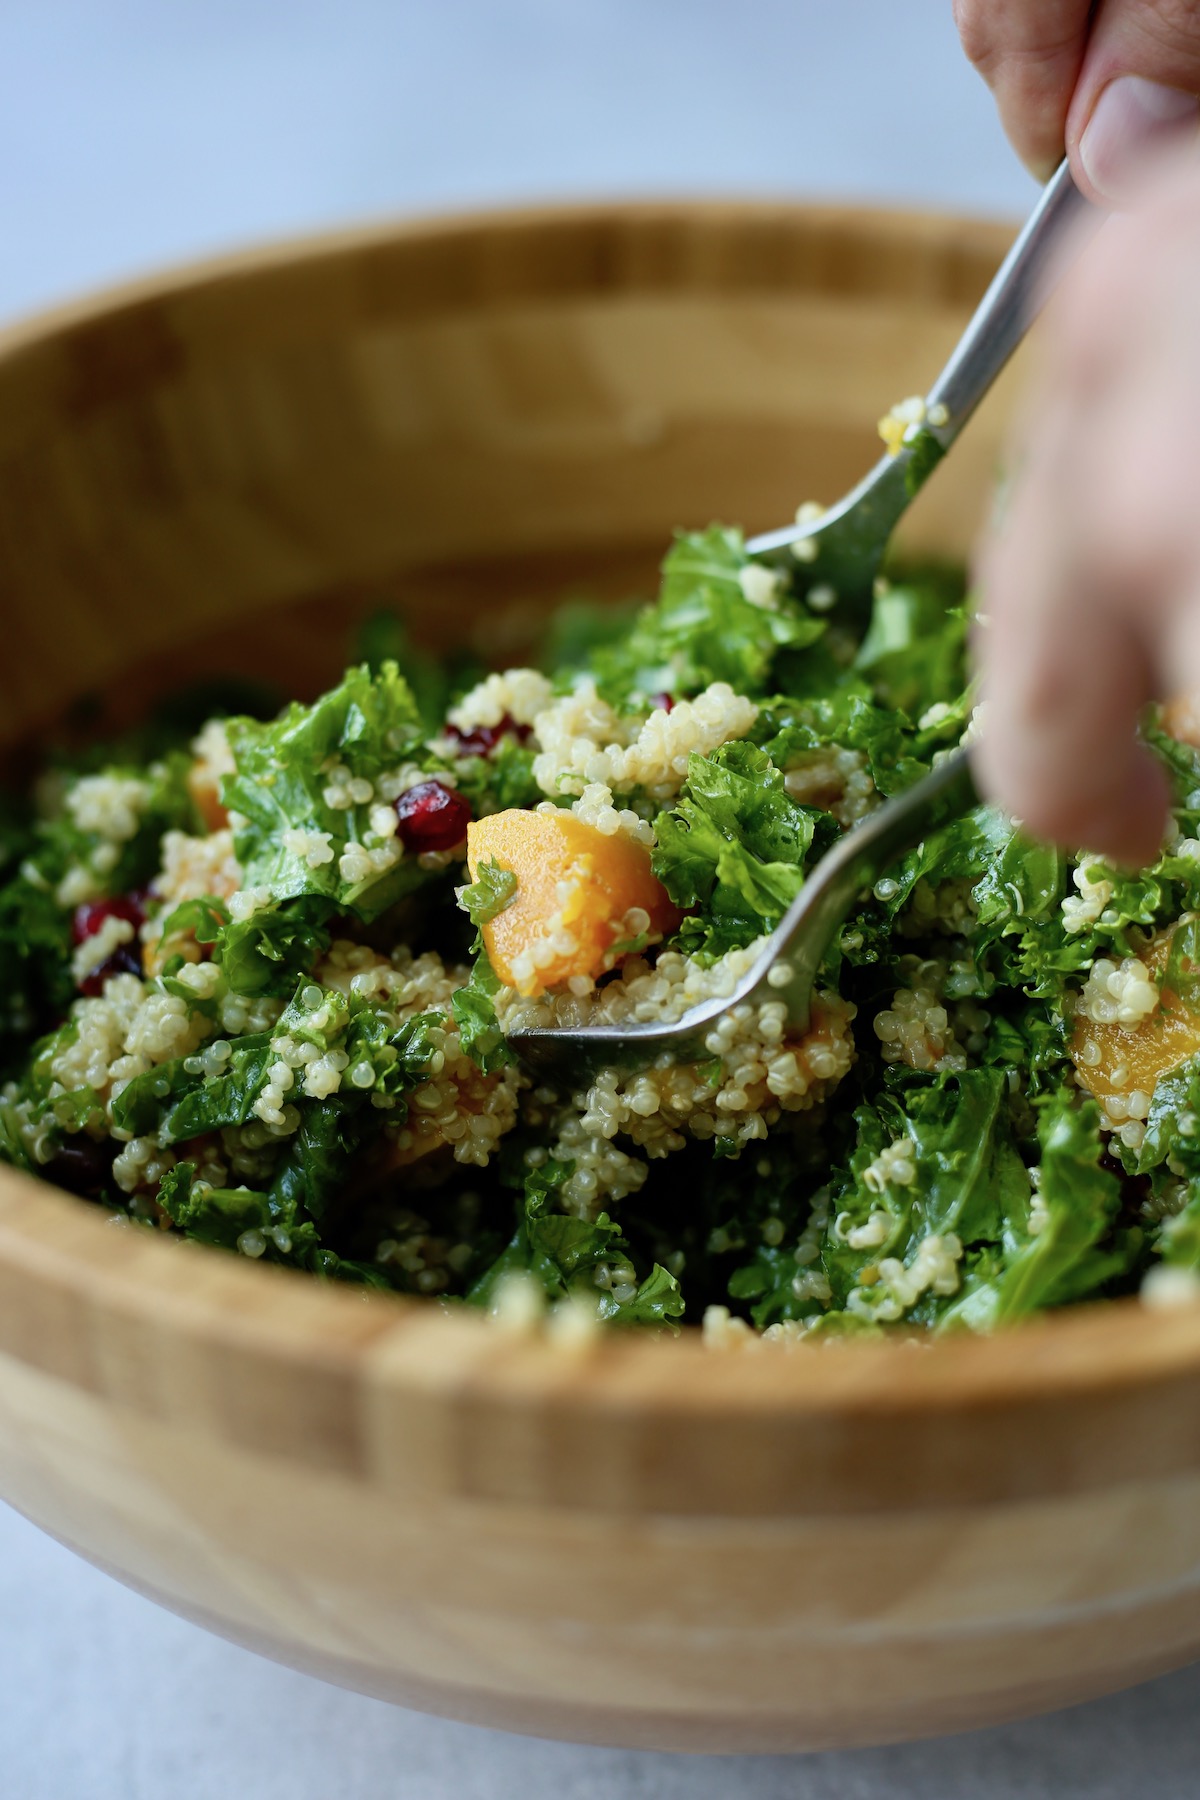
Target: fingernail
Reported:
[(1131, 121)]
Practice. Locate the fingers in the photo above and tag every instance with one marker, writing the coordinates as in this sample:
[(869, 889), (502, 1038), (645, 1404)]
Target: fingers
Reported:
[(1136, 94), (1116, 83), (1091, 583), (1065, 672), (1030, 53), (1065, 678), (1092, 586)]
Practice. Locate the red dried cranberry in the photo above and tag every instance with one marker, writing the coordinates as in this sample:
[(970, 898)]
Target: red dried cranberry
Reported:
[(481, 740), (661, 702), (432, 817), (126, 959), (81, 1165), (93, 914)]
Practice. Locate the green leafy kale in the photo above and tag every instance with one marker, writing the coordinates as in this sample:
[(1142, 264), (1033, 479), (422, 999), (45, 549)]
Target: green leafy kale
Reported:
[(912, 654), (1070, 1247), (703, 628), (1173, 1125), (968, 1175), (367, 725), (733, 845), (36, 985), (489, 894), (263, 1225), (564, 1255), (474, 1011)]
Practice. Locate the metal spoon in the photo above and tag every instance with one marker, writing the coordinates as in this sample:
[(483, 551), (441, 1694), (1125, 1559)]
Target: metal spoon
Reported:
[(844, 549), (791, 956)]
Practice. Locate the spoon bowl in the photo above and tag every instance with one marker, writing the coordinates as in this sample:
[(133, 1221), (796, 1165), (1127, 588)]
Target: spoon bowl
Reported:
[(843, 546), (791, 956)]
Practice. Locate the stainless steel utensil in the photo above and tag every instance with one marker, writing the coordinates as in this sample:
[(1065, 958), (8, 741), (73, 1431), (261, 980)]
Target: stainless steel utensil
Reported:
[(843, 549), (790, 957)]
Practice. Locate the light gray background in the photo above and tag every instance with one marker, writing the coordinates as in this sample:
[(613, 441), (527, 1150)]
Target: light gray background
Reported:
[(133, 131)]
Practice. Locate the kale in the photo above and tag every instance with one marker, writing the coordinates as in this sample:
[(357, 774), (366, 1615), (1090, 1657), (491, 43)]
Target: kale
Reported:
[(1073, 1249), (563, 1255), (474, 1010), (913, 652), (702, 628), (489, 894), (256, 1223), (733, 845), (367, 725), (1173, 1124), (36, 985)]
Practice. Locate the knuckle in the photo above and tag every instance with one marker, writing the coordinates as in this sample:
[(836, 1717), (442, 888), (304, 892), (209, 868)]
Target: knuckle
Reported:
[(1172, 26), (976, 31), (1026, 35)]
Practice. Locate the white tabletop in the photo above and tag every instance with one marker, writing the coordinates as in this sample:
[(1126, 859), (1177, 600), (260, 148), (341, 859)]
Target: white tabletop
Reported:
[(132, 132)]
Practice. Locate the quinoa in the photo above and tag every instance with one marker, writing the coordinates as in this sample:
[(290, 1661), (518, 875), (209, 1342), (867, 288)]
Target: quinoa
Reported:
[(584, 742), (835, 779)]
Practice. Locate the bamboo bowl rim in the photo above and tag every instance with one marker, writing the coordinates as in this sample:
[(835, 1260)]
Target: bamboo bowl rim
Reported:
[(57, 1251)]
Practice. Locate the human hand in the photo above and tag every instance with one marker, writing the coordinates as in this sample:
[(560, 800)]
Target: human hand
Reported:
[(1090, 584), (1111, 82)]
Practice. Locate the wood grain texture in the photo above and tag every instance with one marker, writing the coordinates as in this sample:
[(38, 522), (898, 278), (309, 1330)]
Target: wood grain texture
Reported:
[(644, 1542)]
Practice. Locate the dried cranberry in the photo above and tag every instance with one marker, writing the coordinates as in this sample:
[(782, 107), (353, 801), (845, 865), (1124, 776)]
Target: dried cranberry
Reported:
[(81, 1165), (93, 914), (432, 817), (126, 959), (661, 702), (481, 740)]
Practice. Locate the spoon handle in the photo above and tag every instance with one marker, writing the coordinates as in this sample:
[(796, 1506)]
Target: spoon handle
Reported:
[(1013, 299), (797, 946), (850, 539)]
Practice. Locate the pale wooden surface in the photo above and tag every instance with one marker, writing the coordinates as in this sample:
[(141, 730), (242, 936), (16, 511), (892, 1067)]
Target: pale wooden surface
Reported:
[(651, 1544)]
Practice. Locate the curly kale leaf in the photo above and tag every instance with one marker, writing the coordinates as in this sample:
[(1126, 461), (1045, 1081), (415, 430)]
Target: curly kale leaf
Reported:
[(474, 1010), (223, 1217), (563, 1254), (368, 724), (703, 628), (968, 1174), (914, 651), (1067, 1248), (489, 894), (733, 845)]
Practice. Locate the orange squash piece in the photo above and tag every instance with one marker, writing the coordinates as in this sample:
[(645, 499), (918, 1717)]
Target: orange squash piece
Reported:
[(1180, 716), (576, 887), (1139, 1053), (204, 786)]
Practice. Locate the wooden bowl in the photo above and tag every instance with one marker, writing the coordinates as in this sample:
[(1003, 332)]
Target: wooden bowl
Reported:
[(645, 1543)]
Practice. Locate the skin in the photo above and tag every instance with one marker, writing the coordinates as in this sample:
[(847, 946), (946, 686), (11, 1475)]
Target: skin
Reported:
[(1090, 579)]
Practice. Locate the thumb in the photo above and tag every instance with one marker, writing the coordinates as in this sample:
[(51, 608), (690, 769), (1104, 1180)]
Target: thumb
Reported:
[(1137, 94)]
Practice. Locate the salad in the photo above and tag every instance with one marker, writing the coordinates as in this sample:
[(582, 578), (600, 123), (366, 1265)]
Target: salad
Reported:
[(255, 985)]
